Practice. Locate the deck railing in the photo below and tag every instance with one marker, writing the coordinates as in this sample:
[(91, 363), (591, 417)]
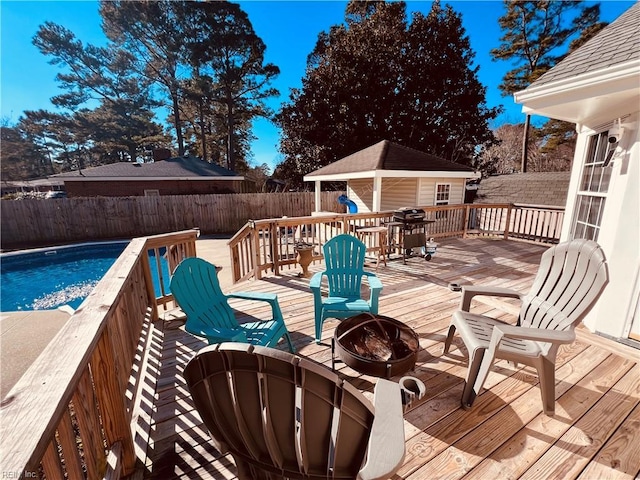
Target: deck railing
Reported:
[(263, 245), (76, 411), (81, 409)]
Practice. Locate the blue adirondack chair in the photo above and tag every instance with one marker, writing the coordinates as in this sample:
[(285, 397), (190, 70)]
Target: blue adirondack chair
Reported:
[(196, 289), (344, 260)]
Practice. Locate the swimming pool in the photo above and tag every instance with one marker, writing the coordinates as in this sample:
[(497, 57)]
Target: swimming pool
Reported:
[(49, 278)]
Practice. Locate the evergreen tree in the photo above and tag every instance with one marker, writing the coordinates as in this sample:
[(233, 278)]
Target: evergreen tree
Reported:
[(117, 134), (20, 157), (559, 137), (153, 33), (56, 134), (535, 32), (378, 77), (208, 60), (205, 55), (105, 75), (228, 64)]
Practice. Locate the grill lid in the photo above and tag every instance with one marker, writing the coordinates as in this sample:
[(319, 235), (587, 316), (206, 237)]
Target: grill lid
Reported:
[(409, 214)]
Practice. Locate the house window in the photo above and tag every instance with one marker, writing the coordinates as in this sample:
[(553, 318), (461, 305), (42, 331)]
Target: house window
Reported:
[(151, 193), (443, 191), (592, 192)]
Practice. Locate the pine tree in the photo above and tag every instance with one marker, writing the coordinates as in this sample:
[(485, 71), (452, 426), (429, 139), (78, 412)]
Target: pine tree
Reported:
[(105, 75), (183, 45), (228, 62), (535, 33), (153, 32), (20, 157)]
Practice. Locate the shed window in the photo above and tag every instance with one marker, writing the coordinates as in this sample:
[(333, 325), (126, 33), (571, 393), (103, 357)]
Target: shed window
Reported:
[(151, 193), (592, 192), (443, 191)]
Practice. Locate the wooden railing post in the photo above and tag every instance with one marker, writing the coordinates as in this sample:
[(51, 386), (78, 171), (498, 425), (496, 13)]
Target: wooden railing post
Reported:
[(478, 219), (508, 222), (51, 462), (273, 243), (467, 213), (235, 262), (112, 401), (67, 439), (74, 397), (254, 254), (84, 406), (151, 294)]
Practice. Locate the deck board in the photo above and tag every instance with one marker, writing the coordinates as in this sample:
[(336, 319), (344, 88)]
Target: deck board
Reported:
[(594, 433)]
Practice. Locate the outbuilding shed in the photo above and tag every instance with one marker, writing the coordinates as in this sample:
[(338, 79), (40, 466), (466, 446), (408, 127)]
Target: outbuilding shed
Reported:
[(388, 176)]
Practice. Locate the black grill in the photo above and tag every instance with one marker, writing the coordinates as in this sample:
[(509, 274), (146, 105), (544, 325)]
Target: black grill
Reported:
[(409, 215), (408, 230)]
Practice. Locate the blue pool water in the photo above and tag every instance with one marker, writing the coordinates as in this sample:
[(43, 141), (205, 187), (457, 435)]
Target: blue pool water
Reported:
[(46, 279)]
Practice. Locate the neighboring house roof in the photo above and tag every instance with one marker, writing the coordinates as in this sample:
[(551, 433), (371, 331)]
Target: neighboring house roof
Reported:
[(179, 168), (389, 159), (531, 188), (40, 182), (595, 82)]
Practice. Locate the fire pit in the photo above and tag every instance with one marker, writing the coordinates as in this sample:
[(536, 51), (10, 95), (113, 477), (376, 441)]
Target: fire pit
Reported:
[(376, 345)]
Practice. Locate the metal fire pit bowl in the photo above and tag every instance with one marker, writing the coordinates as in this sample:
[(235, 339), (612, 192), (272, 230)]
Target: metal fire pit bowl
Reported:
[(376, 345)]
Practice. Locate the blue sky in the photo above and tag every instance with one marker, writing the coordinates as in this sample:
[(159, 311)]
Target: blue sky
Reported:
[(288, 28)]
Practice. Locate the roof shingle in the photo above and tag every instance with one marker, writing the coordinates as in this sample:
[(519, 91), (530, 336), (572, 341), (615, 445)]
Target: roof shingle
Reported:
[(170, 168), (617, 43), (386, 155), (532, 188)]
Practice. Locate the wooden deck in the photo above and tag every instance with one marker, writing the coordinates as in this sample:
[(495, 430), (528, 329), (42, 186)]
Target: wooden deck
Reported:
[(594, 434)]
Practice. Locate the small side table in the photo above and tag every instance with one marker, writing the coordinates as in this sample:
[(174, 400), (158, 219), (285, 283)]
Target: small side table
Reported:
[(380, 242)]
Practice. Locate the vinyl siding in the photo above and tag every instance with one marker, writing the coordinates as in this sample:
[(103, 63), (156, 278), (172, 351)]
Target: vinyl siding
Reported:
[(398, 193), (402, 192), (427, 193), (361, 193)]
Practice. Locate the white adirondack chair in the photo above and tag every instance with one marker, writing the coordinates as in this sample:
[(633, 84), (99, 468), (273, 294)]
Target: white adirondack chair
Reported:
[(570, 279)]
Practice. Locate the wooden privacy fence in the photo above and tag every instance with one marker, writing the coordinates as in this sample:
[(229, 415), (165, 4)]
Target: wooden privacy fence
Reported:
[(26, 223), (71, 415), (263, 245)]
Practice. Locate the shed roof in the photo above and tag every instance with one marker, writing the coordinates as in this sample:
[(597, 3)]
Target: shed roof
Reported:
[(175, 168), (386, 155)]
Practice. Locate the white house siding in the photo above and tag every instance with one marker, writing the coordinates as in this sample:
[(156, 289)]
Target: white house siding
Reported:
[(619, 233), (427, 192), (398, 193), (360, 191)]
